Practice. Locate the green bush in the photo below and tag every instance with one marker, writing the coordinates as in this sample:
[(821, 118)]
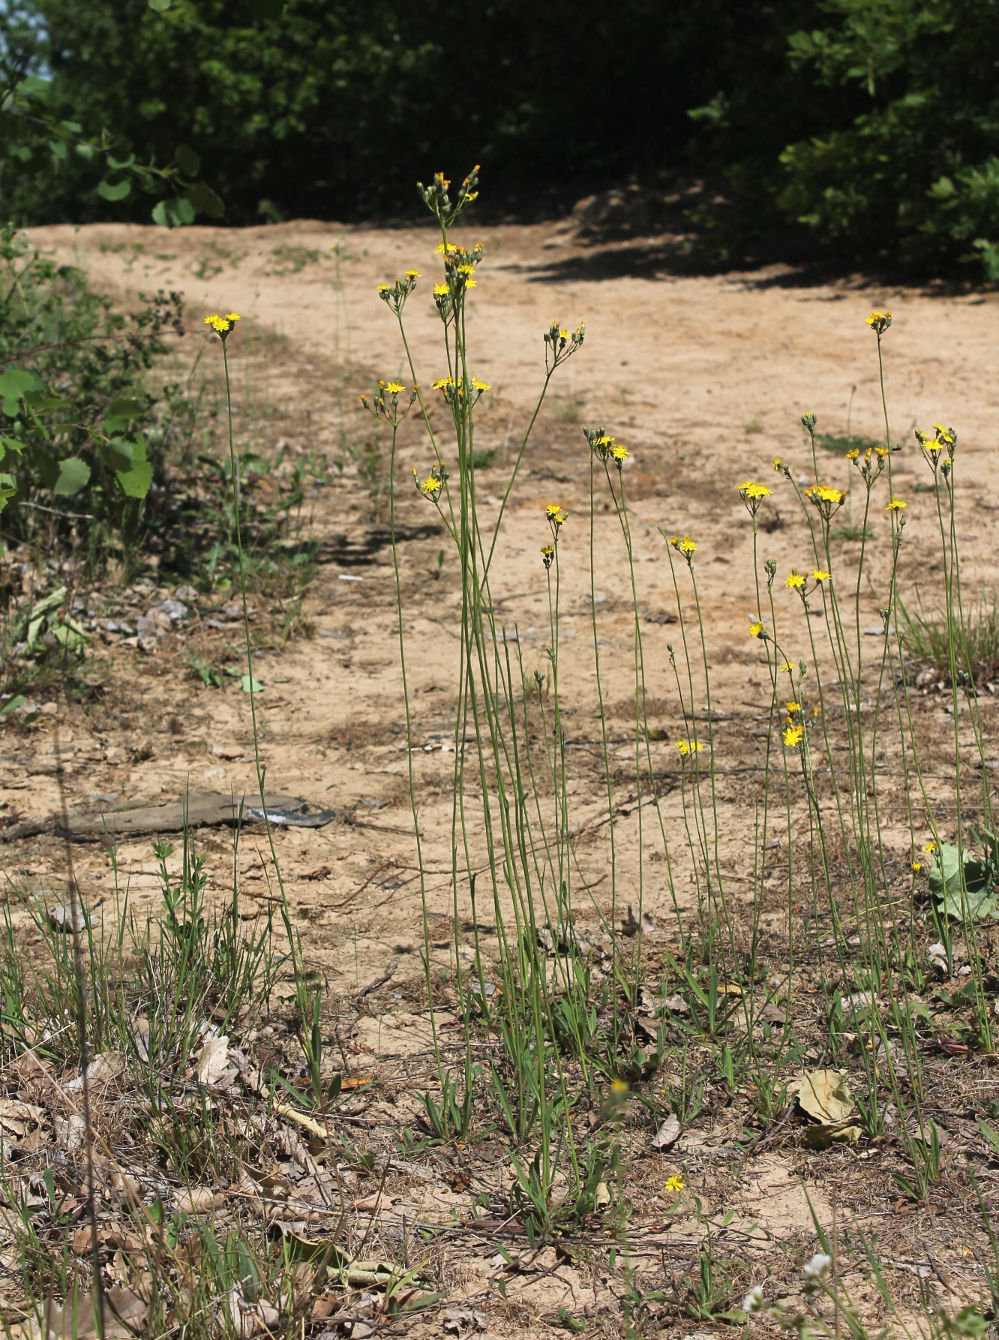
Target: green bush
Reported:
[(906, 167), (80, 433)]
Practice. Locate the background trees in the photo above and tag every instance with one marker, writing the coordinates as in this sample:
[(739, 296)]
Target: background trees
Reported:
[(867, 126)]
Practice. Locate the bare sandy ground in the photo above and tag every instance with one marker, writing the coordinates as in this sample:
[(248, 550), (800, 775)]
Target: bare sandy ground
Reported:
[(705, 379)]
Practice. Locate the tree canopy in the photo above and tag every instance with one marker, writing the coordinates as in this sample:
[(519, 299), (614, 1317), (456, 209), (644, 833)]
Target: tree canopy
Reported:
[(867, 125)]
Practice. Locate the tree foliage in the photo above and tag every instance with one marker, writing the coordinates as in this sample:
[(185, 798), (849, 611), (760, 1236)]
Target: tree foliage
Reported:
[(869, 125)]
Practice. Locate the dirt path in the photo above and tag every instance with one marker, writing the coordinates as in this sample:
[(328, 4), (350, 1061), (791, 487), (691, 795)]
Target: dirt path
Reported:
[(703, 378)]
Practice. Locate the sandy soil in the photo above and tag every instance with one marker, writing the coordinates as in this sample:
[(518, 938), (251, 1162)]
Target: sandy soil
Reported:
[(705, 380)]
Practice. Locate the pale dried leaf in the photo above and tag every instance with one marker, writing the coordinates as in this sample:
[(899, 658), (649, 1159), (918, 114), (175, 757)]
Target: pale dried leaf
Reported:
[(212, 1060), (825, 1095), (668, 1133)]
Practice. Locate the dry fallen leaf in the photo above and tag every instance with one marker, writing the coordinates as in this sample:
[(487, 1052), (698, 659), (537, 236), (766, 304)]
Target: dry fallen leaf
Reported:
[(212, 1061), (668, 1133), (825, 1095)]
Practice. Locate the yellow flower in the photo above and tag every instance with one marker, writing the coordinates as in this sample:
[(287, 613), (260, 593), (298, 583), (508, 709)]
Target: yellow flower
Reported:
[(896, 505), (222, 325), (778, 462), (824, 493), (756, 630), (619, 452), (792, 736), (430, 487), (619, 1086), (852, 454), (441, 291), (442, 383), (917, 865), (818, 575), (480, 385), (413, 274), (384, 288), (674, 1183), (393, 388), (555, 514), (789, 665), (796, 581), (750, 490), (793, 709), (689, 747), (441, 250), (879, 321), (684, 544), (547, 554), (930, 846)]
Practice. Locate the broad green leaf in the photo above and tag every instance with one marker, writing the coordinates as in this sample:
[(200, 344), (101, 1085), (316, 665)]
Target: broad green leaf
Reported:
[(10, 445), (43, 403), (14, 382), (13, 704), (160, 214), (160, 6), (114, 190), (187, 160), (74, 475), (245, 684), (205, 201), (118, 452), (121, 164), (57, 148), (126, 409)]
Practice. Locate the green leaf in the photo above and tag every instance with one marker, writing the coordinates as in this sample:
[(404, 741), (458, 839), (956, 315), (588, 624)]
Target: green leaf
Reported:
[(245, 684), (74, 475), (173, 213), (43, 403), (135, 481), (121, 164), (11, 445), (13, 704), (187, 160), (117, 451), (160, 6), (126, 409), (114, 190), (205, 201), (14, 382), (8, 487)]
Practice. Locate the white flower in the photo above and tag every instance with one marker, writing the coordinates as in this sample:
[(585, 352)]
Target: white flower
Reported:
[(818, 1267), (753, 1300)]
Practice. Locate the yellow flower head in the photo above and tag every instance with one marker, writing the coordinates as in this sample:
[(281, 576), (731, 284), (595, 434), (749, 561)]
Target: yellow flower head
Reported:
[(896, 505), (619, 453), (222, 325), (442, 383), (778, 462), (879, 321), (674, 1184), (684, 544), (430, 486), (480, 385), (917, 866), (930, 846), (852, 454), (413, 274), (756, 630), (689, 747), (555, 515), (795, 581), (793, 709), (818, 575), (788, 665), (393, 388), (824, 493), (793, 735), (441, 291), (750, 490)]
